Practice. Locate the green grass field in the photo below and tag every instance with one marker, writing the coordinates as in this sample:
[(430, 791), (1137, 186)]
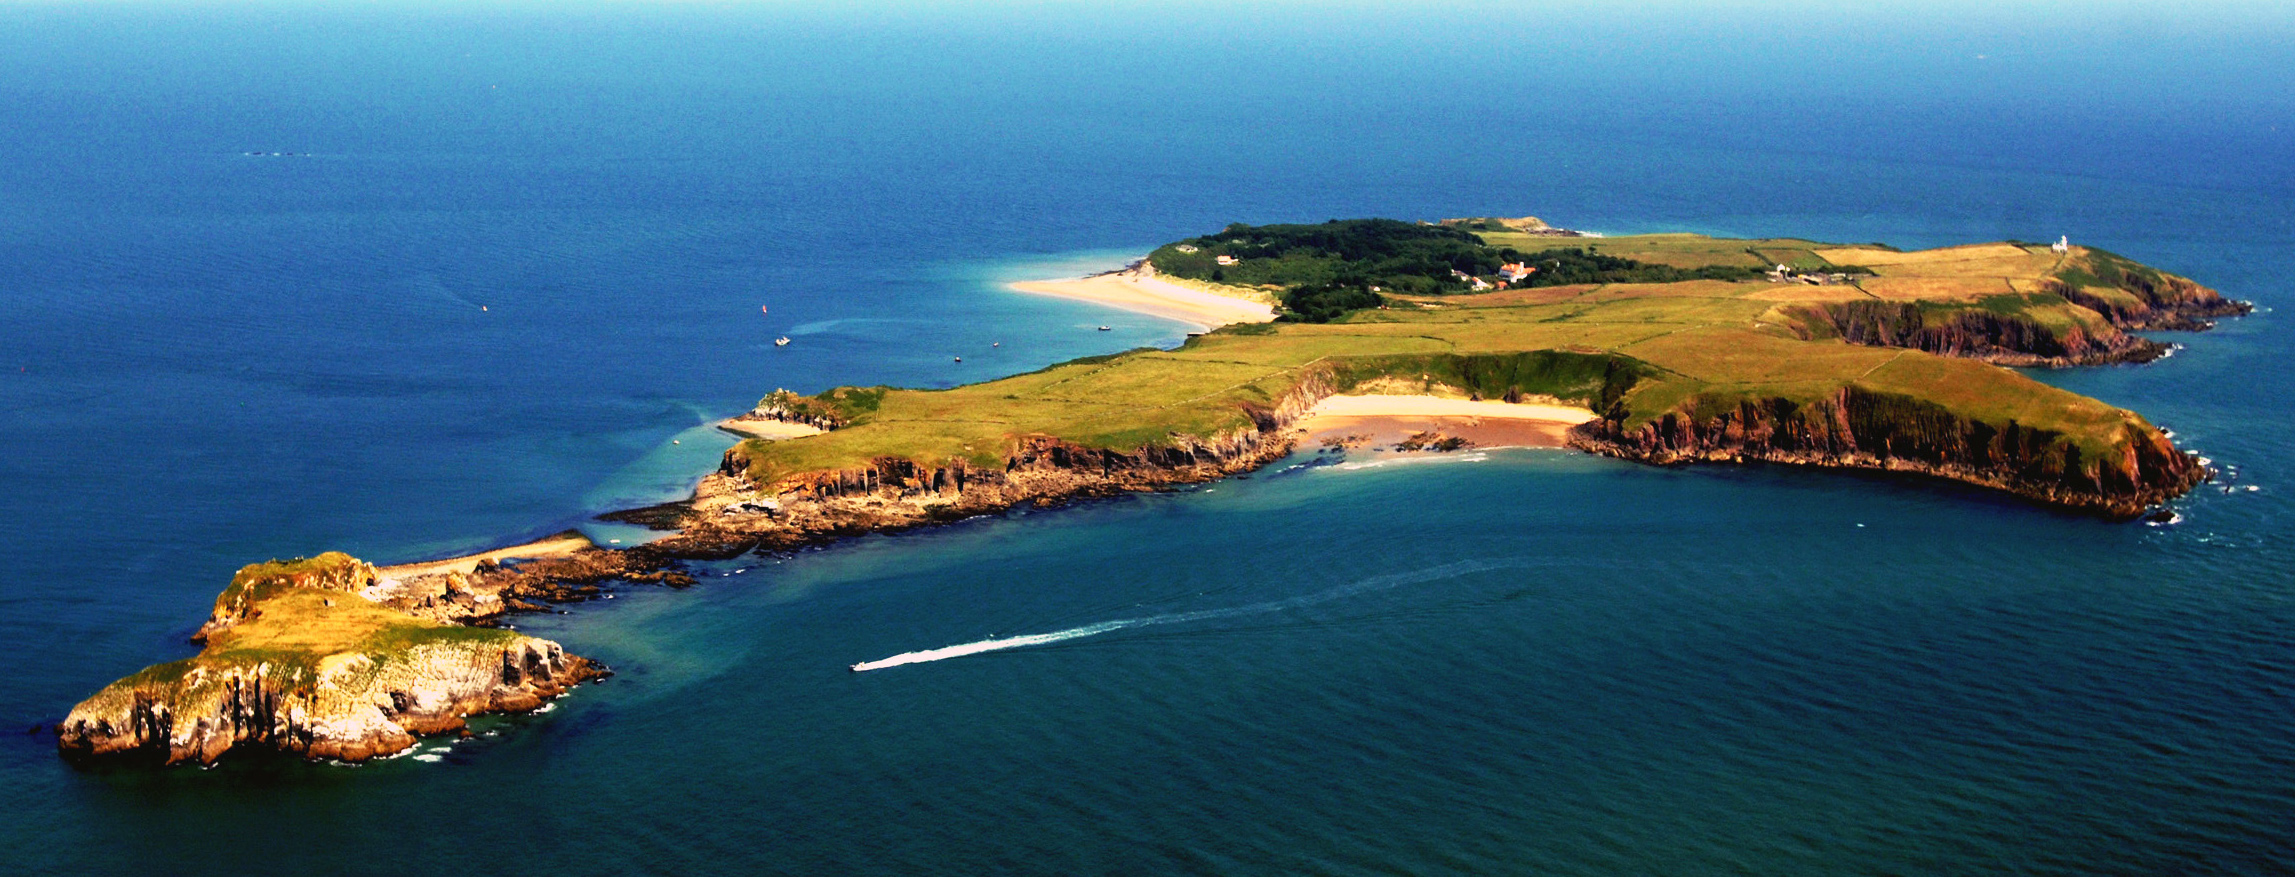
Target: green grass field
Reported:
[(292, 622), (1696, 343)]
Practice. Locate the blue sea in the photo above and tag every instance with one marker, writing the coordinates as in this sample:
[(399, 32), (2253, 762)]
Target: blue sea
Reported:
[(499, 264)]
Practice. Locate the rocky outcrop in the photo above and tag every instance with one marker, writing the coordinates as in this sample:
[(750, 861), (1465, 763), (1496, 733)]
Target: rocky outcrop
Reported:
[(483, 595), (2193, 308), (1860, 429), (1974, 333), (2135, 297), (2082, 316), (349, 706), (733, 512), (307, 657), (332, 571), (825, 414)]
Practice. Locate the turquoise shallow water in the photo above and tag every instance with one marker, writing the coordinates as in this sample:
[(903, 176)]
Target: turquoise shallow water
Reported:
[(526, 251)]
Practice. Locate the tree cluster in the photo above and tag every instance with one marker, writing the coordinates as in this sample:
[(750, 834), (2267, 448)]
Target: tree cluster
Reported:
[(1576, 265), (1403, 257), (1322, 304)]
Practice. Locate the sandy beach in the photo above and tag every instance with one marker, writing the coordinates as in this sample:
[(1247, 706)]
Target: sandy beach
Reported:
[(1385, 420), (557, 545), (771, 430), (1140, 291)]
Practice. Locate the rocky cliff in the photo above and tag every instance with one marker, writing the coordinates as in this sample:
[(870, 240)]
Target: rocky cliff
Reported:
[(2013, 339), (296, 660), (1860, 429), (732, 511), (2082, 315), (2134, 296)]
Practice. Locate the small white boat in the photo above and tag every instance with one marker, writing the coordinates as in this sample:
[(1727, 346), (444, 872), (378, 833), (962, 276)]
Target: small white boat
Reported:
[(782, 341), (1103, 328)]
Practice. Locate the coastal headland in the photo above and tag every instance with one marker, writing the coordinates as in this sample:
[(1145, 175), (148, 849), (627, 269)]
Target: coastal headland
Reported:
[(1664, 349)]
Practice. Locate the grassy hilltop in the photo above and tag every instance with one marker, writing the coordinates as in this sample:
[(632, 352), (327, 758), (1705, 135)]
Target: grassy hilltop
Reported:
[(297, 660), (1677, 326)]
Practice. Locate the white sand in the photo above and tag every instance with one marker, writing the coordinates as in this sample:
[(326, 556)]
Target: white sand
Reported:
[(553, 546), (1435, 406), (1141, 293), (1379, 421), (769, 429)]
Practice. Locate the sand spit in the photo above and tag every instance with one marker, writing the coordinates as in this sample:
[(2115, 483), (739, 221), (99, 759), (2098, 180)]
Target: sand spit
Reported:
[(558, 545), (1138, 290), (768, 429)]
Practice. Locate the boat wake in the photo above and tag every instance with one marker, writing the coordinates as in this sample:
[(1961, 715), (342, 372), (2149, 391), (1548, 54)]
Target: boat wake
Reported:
[(1374, 583), (991, 645)]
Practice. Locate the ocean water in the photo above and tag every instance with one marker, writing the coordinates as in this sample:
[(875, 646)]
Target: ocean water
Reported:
[(520, 249)]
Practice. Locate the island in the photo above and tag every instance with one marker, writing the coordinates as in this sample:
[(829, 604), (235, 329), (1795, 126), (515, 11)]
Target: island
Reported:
[(1424, 336)]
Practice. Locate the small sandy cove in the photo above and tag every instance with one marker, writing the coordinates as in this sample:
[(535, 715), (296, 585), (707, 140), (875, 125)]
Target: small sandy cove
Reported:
[(1138, 290), (770, 430), (1385, 420)]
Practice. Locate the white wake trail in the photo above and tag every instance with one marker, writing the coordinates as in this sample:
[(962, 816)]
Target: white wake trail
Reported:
[(989, 645), (1375, 583)]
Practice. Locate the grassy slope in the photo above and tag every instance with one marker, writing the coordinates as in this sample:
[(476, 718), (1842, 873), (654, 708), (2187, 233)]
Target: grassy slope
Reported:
[(293, 625), (1703, 341)]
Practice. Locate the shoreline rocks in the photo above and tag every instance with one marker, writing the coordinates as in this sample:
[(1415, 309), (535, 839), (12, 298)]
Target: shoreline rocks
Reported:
[(304, 657), (1863, 430)]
